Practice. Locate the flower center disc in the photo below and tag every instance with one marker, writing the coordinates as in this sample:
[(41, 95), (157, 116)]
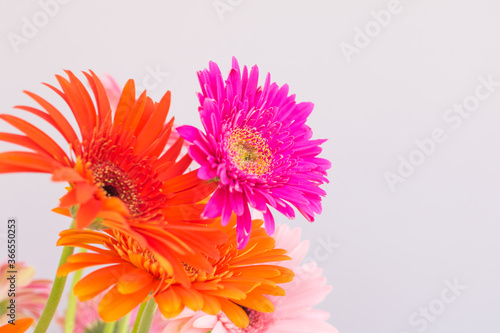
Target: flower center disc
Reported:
[(118, 184), (249, 152)]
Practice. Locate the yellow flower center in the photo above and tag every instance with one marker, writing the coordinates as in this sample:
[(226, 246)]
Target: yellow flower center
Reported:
[(129, 250), (249, 151)]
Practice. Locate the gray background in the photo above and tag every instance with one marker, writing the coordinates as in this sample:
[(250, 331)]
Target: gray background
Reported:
[(391, 251)]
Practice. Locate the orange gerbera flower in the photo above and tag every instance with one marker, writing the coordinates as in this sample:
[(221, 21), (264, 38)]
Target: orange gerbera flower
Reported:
[(121, 174), (239, 278)]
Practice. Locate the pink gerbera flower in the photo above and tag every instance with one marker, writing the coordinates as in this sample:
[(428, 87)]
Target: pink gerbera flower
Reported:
[(294, 312), (257, 145), (30, 296)]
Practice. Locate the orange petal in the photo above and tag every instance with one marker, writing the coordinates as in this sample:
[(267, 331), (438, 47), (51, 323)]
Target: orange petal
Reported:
[(24, 141), (87, 213), (268, 289), (69, 175), (154, 125), (193, 195), (173, 152), (190, 297), (96, 282), (63, 125), (211, 305), (127, 100), (32, 161), (83, 97), (85, 118), (235, 313), (169, 303), (176, 170), (256, 302), (82, 260), (133, 281), (114, 305), (286, 275), (101, 97), (83, 236), (158, 145), (62, 211), (134, 114), (182, 182), (38, 136), (19, 326), (183, 212), (259, 271)]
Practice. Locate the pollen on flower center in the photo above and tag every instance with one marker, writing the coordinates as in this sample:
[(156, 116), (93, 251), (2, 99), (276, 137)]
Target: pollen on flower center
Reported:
[(258, 321), (249, 152), (117, 183), (129, 250), (189, 269)]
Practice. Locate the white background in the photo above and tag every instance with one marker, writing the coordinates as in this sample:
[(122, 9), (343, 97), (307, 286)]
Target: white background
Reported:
[(393, 250)]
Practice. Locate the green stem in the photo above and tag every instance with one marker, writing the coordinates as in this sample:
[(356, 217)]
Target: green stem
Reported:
[(55, 293), (69, 322), (123, 324), (110, 327), (147, 316), (138, 317)]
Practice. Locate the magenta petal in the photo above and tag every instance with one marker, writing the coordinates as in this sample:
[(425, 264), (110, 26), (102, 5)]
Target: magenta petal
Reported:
[(269, 222), (257, 201), (205, 172), (289, 194), (284, 209), (198, 155), (226, 211), (190, 133), (236, 199), (214, 206), (224, 179), (309, 217), (243, 228)]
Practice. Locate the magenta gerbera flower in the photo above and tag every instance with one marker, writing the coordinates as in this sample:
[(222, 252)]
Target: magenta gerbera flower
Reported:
[(257, 146)]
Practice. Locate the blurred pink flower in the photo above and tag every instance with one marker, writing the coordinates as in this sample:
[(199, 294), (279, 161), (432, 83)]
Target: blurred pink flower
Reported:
[(293, 313), (30, 295), (113, 90)]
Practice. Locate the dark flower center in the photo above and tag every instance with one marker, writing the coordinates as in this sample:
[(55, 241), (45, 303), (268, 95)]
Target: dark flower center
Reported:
[(111, 191), (118, 184)]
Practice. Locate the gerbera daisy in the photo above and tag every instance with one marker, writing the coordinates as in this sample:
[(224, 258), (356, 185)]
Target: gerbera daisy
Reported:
[(257, 147), (122, 175), (30, 296), (238, 280), (294, 312)]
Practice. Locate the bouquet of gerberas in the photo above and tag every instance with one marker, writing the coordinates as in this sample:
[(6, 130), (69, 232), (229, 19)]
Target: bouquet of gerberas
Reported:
[(170, 239)]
